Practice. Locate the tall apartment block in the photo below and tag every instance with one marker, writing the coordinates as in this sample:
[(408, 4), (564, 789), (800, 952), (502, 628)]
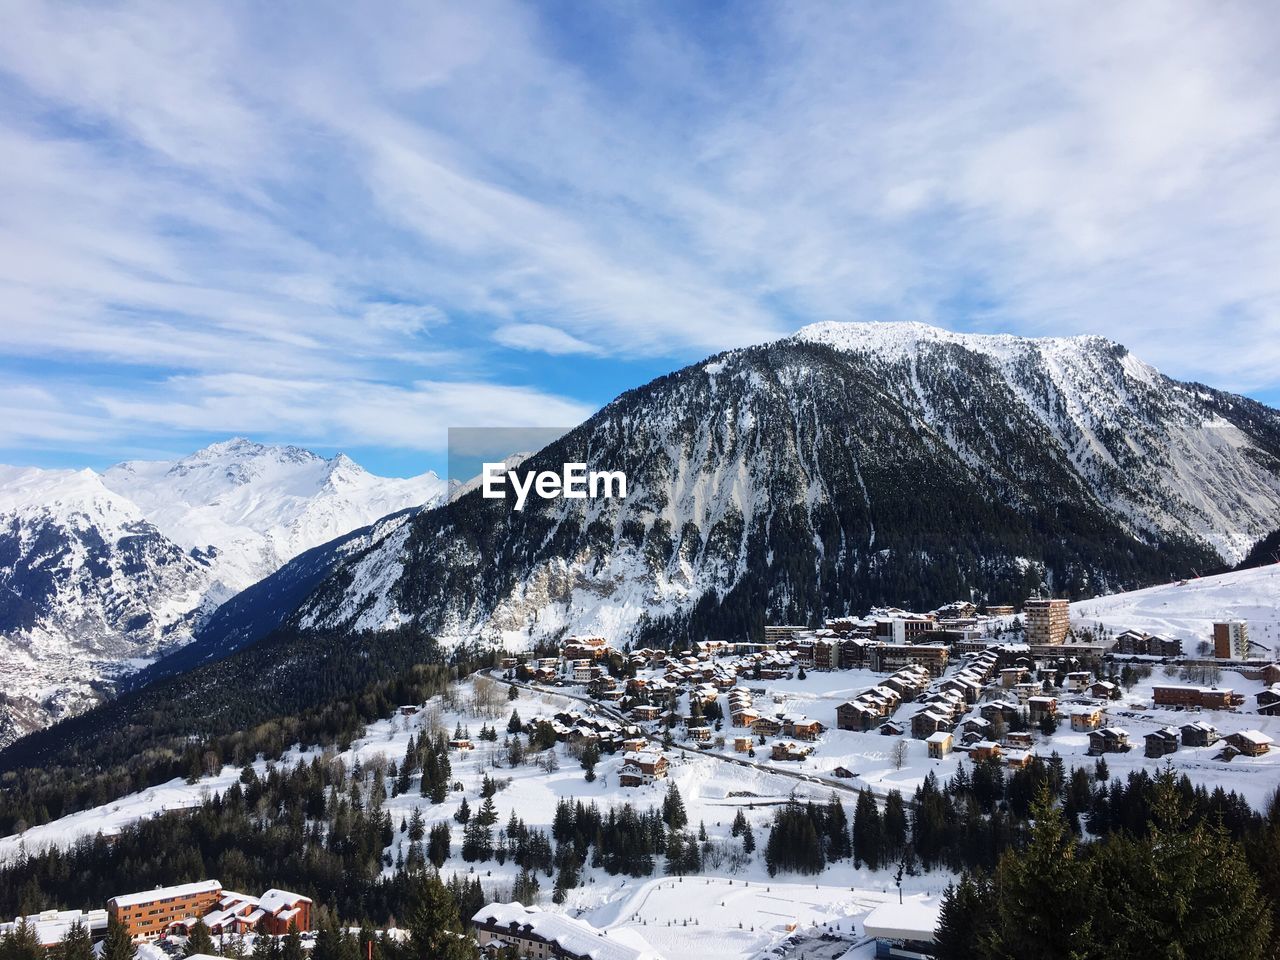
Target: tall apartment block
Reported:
[(1046, 621), (1231, 640)]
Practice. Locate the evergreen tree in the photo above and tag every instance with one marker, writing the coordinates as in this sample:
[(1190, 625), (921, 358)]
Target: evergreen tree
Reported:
[(417, 828), (438, 844), (118, 944), (435, 928), (868, 831), (291, 948), (1044, 896), (673, 812), (77, 944), (199, 941), (963, 921), (22, 944), (514, 725)]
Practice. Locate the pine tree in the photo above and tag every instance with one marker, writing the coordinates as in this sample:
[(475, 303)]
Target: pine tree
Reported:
[(118, 945), (438, 844), (514, 725), (868, 832), (434, 927), (417, 828), (199, 941), (673, 812), (963, 920), (22, 944), (77, 944), (291, 948), (1044, 901)]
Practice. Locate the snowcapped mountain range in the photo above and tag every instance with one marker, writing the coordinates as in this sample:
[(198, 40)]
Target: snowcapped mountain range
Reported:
[(842, 467), (99, 572)]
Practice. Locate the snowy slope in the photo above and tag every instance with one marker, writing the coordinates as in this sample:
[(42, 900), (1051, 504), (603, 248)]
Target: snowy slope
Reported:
[(1187, 609), (100, 573)]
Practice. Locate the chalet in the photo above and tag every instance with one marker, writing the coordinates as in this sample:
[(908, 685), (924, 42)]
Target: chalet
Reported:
[(985, 750), (802, 728), (645, 712), (891, 728), (1269, 701), (1011, 676), (1105, 690), (1252, 743), (529, 932), (1199, 734), (641, 768), (975, 725), (634, 744), (700, 734), (1084, 719), (1020, 740), (790, 751), (844, 773), (1017, 759), (408, 710), (742, 744), (767, 727), (1005, 710), (1159, 743), (1078, 681), (1108, 740), (860, 714), (1040, 707), (927, 722), (939, 744)]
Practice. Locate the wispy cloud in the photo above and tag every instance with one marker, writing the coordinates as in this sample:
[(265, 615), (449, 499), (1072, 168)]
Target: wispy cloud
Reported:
[(219, 216)]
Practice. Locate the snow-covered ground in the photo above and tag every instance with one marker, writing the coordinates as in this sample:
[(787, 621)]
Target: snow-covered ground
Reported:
[(730, 915), (1187, 609)]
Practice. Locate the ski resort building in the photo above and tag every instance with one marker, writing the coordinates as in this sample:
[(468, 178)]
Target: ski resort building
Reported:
[(903, 929), (1046, 621), (1170, 695), (642, 767), (164, 910), (549, 936), (1231, 640), (151, 913), (51, 926)]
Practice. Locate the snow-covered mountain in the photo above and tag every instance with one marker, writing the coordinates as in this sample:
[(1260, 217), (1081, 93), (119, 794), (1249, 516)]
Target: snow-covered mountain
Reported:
[(845, 466), (101, 572)]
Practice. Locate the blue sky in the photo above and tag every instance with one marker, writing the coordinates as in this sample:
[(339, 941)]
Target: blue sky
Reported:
[(353, 226)]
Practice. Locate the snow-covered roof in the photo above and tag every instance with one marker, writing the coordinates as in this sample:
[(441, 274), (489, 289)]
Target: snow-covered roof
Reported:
[(275, 900), (167, 893), (573, 936), (912, 920), (1255, 736), (940, 737)]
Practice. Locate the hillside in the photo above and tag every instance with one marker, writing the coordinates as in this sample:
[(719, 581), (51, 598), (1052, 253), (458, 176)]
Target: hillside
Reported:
[(847, 466), (1188, 608)]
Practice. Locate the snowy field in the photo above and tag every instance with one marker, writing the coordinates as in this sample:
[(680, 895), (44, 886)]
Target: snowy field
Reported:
[(1187, 609)]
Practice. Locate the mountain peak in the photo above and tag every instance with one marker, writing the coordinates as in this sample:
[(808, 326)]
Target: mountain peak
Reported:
[(904, 337)]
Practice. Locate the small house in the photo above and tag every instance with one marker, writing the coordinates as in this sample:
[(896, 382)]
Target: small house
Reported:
[(1199, 734), (1085, 719), (1161, 742), (1252, 743), (939, 744), (1108, 740)]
